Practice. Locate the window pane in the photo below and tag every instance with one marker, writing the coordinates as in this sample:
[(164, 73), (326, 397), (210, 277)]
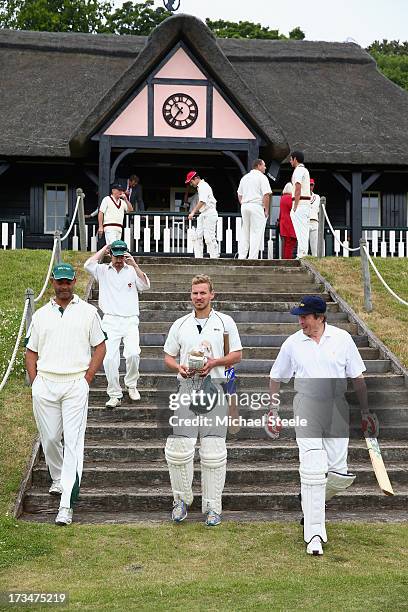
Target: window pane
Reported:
[(55, 208)]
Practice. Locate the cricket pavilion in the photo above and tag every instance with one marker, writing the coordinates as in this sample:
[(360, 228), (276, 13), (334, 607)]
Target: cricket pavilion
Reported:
[(82, 110)]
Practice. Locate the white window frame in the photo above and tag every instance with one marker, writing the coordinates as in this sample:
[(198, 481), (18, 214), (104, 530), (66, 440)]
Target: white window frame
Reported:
[(377, 194), (46, 185), (275, 192), (173, 191)]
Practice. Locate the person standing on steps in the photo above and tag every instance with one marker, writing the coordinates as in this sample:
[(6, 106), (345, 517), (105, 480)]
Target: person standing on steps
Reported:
[(60, 368), (254, 195), (320, 357), (286, 229), (206, 208), (314, 219), (119, 284), (300, 202), (199, 339), (112, 212)]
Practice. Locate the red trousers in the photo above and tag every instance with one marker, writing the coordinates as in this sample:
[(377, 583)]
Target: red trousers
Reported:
[(289, 244)]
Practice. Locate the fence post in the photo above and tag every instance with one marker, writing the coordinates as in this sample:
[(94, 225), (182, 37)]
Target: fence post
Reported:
[(81, 220), (57, 237), (29, 295), (365, 271), (320, 231)]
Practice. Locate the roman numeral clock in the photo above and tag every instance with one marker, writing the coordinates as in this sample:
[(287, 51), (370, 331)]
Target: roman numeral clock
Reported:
[(180, 111)]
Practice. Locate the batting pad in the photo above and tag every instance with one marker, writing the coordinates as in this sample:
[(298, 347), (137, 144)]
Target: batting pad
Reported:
[(338, 482), (312, 470), (213, 455), (179, 452)]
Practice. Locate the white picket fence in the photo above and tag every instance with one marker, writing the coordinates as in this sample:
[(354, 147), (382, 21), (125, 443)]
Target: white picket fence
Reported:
[(381, 242), (9, 236)]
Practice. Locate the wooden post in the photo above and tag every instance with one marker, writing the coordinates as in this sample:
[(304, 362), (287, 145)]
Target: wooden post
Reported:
[(365, 271), (29, 295), (356, 210), (81, 220), (320, 231), (57, 236)]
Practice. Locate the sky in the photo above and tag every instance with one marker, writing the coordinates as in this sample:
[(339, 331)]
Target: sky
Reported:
[(363, 21)]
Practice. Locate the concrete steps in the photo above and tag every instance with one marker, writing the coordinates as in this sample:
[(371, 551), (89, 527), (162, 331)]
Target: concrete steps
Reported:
[(125, 477)]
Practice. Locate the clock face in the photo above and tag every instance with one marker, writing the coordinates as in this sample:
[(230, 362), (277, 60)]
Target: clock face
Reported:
[(180, 111)]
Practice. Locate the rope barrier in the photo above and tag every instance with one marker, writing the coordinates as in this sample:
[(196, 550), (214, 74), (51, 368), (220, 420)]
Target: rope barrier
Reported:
[(381, 278), (44, 287), (342, 244), (17, 344), (72, 220)]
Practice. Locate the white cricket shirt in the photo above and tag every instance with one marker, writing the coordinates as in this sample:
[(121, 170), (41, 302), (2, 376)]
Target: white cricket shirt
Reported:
[(113, 211), (253, 187), (118, 291), (314, 207), (184, 337), (336, 356), (301, 175), (63, 339), (205, 194)]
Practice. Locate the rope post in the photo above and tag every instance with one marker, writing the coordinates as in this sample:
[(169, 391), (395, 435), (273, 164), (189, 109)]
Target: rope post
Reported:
[(365, 271), (29, 295), (320, 231), (57, 237), (81, 220)]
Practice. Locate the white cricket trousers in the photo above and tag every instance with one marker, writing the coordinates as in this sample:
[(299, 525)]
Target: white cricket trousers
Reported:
[(206, 228), (61, 409), (300, 220), (252, 230), (313, 231), (116, 328), (113, 234)]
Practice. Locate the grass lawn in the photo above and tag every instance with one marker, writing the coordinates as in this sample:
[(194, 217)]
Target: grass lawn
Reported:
[(389, 318), (167, 567)]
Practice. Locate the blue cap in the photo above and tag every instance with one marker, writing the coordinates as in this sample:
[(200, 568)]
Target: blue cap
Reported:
[(310, 304)]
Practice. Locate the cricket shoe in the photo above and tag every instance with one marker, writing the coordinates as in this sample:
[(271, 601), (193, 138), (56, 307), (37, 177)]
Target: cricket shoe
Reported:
[(179, 512), (55, 488), (213, 519), (315, 547), (134, 394), (113, 402), (64, 517)]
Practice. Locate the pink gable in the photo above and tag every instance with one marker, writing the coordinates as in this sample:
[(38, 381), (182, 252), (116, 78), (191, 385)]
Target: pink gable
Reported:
[(133, 120), (180, 66), (226, 123)]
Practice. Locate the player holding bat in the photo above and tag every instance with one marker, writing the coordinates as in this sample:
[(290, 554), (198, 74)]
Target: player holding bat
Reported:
[(320, 357)]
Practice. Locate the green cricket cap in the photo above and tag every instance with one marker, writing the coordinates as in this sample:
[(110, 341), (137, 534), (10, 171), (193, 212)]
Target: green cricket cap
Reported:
[(118, 247), (63, 270)]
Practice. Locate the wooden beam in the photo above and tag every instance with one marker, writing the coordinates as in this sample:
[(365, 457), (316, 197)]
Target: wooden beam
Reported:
[(356, 210), (342, 181), (236, 159), (117, 161), (104, 166), (92, 176), (253, 153), (370, 180)]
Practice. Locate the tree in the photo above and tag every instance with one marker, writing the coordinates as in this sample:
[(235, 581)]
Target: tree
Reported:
[(54, 15), (248, 29), (137, 18), (392, 60)]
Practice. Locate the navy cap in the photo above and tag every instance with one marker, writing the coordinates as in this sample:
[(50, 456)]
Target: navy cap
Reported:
[(310, 304), (118, 186)]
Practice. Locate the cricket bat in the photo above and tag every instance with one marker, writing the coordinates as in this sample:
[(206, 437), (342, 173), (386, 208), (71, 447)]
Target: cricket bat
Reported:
[(378, 466)]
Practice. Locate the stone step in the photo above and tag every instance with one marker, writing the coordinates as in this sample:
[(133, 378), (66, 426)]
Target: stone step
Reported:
[(255, 381), (235, 497), (106, 474), (252, 365), (140, 412), (230, 296), (303, 286), (251, 339), (228, 307), (239, 316), (222, 262), (376, 397), (260, 352), (216, 269), (162, 327)]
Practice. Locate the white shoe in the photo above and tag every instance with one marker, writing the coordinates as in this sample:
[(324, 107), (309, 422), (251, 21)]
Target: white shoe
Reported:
[(64, 517), (134, 394), (315, 547), (113, 402), (55, 488)]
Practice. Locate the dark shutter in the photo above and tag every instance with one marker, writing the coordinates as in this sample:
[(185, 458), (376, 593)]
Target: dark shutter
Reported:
[(37, 209), (394, 209)]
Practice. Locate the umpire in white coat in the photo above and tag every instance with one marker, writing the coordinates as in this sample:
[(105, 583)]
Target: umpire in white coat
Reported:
[(60, 369), (119, 283), (320, 357), (254, 195)]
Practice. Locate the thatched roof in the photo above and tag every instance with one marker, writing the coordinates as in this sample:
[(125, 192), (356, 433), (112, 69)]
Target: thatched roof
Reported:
[(325, 98)]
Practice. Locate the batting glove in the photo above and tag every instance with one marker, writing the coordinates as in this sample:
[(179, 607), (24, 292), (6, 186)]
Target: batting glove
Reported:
[(273, 424), (370, 424)]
